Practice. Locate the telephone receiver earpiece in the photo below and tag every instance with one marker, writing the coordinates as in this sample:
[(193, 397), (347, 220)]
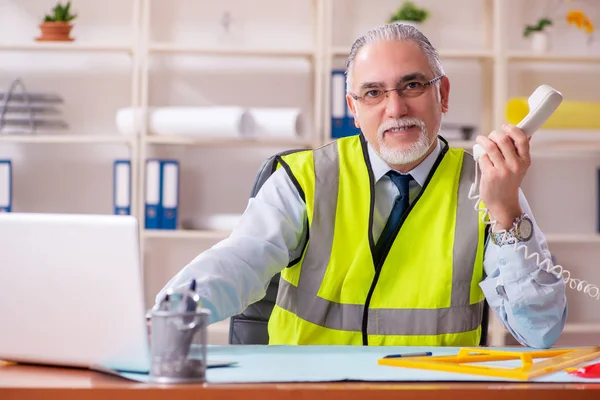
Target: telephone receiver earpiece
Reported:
[(542, 103)]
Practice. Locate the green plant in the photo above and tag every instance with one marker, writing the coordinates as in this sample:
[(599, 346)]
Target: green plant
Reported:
[(542, 23), (409, 12), (60, 13)]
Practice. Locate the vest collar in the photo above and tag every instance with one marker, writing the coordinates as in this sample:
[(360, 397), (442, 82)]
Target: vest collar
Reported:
[(419, 173)]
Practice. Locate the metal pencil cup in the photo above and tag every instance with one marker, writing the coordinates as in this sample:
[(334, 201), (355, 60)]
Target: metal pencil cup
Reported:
[(171, 338)]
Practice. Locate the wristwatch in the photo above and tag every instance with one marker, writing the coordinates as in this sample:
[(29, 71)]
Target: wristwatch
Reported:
[(521, 231)]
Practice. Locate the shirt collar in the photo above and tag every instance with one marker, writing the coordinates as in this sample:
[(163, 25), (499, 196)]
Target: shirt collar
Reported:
[(419, 173)]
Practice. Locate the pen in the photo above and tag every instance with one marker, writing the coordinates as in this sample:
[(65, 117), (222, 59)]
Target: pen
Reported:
[(422, 354), (189, 302), (164, 303)]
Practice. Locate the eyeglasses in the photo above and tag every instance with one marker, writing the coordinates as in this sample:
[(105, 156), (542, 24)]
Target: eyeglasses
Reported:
[(371, 97)]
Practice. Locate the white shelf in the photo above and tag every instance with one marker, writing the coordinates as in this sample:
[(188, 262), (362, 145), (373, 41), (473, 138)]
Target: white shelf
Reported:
[(74, 46), (184, 234), (566, 149), (230, 142), (573, 238), (462, 144), (528, 56), (582, 328), (466, 54), (342, 51), (66, 139), (159, 47), (556, 148)]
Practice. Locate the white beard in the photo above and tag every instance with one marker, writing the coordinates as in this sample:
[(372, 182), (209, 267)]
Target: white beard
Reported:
[(413, 152)]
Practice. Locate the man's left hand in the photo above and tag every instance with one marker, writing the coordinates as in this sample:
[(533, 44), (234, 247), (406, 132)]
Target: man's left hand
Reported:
[(503, 168)]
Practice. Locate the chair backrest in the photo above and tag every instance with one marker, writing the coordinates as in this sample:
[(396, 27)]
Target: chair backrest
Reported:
[(250, 326)]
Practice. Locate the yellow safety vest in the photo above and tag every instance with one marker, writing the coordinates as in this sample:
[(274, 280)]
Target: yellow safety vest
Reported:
[(425, 292)]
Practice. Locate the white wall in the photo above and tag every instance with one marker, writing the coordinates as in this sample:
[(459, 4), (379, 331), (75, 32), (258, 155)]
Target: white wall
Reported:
[(78, 178)]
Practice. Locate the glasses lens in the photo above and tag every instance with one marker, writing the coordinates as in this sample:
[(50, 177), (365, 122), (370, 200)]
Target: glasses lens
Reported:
[(413, 89), (371, 97)]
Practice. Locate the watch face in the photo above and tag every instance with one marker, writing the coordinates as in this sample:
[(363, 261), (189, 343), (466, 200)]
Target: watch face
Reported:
[(525, 229)]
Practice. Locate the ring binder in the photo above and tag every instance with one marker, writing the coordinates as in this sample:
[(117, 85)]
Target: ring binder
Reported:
[(5, 186), (122, 187)]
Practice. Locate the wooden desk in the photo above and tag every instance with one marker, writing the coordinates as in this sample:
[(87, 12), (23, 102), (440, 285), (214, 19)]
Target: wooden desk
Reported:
[(29, 383)]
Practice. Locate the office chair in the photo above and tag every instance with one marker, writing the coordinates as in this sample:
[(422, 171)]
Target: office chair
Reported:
[(250, 326)]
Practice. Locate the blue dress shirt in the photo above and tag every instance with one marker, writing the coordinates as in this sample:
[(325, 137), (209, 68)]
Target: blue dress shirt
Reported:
[(235, 272)]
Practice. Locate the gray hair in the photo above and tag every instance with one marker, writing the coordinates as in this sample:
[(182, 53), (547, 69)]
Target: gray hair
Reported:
[(394, 32)]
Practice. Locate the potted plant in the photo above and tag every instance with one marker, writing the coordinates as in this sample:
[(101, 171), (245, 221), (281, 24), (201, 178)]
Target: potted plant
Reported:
[(409, 13), (581, 21), (57, 25), (539, 37)]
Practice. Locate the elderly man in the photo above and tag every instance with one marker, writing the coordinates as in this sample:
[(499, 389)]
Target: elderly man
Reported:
[(375, 236)]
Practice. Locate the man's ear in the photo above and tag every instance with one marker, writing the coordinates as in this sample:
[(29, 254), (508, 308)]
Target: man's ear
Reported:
[(352, 107), (444, 93)]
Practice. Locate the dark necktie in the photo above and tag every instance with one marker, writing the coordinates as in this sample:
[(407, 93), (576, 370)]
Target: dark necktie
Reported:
[(400, 206)]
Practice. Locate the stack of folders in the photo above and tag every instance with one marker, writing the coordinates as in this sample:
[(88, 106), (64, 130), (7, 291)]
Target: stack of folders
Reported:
[(162, 194), (5, 185), (342, 121)]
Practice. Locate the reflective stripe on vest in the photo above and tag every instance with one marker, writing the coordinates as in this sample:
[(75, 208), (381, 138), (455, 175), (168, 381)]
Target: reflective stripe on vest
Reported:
[(303, 301)]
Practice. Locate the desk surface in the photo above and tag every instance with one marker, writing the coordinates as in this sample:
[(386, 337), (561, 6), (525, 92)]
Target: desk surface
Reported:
[(32, 382)]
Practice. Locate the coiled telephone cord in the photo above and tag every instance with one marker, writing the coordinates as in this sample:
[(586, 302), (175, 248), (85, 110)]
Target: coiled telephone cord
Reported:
[(557, 270)]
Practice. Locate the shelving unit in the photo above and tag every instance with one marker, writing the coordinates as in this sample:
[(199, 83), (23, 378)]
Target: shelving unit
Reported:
[(212, 142), (448, 54), (494, 60), (68, 139), (573, 238), (185, 234), (147, 140), (525, 56), (68, 47), (216, 51), (81, 50)]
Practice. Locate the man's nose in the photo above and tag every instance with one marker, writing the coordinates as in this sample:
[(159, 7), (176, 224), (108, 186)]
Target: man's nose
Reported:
[(396, 105)]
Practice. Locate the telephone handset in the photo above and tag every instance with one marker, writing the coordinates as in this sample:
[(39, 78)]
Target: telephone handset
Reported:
[(542, 103)]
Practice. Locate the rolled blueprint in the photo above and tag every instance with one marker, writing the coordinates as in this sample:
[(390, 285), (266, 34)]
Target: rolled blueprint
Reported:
[(201, 121), (569, 115), (227, 121), (125, 120), (277, 122)]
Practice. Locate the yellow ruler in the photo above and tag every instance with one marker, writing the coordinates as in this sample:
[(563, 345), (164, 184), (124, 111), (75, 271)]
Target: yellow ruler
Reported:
[(463, 362)]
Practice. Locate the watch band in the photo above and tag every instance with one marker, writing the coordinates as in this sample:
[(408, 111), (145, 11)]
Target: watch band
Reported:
[(521, 230), (503, 237)]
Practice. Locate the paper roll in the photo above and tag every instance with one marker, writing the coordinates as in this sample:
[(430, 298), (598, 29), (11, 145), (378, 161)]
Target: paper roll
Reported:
[(125, 121), (569, 115), (201, 121), (277, 122), (191, 121)]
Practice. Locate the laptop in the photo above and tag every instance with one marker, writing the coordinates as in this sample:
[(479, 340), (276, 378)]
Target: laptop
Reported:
[(71, 292)]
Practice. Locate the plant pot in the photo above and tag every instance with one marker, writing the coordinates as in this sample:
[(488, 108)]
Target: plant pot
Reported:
[(540, 42), (55, 32)]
